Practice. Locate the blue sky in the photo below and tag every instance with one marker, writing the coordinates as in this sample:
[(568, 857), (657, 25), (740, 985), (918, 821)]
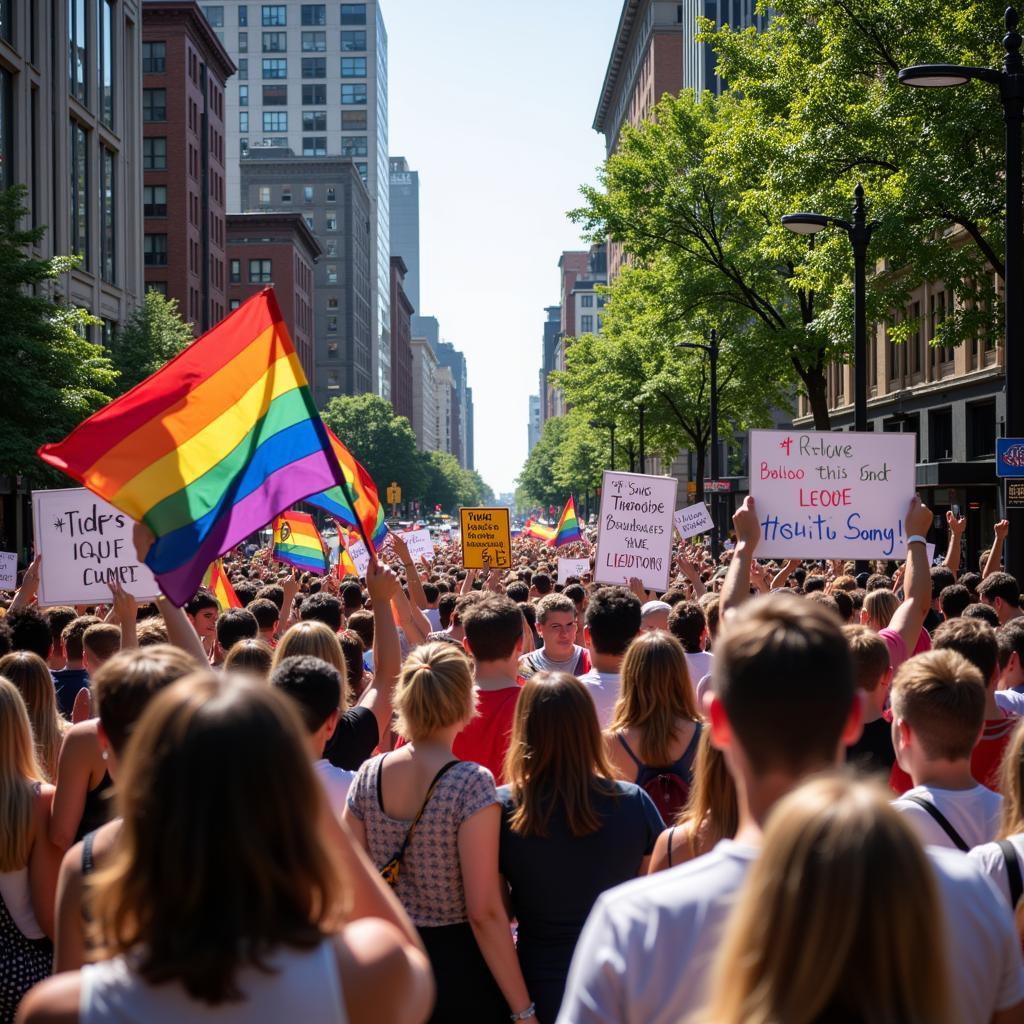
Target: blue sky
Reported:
[(493, 105)]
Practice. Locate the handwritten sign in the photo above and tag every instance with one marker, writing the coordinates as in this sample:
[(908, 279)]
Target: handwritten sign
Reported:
[(635, 537), (831, 495), (486, 538), (8, 570), (693, 520), (572, 567), (85, 542), (419, 544)]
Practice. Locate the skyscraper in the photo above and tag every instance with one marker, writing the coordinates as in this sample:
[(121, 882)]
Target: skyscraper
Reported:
[(405, 224), (313, 78), (699, 66)]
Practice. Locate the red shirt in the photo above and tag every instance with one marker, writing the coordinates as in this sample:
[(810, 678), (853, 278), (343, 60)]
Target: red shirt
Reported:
[(485, 740)]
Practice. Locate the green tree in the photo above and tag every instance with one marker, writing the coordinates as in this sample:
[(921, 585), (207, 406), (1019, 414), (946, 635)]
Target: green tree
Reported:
[(537, 479), (384, 443), (54, 377), (445, 485), (154, 334)]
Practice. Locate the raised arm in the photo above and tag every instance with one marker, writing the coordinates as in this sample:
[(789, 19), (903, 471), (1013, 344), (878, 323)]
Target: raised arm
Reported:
[(416, 595), (994, 561), (692, 573), (957, 525), (387, 654), (736, 588), (29, 585), (125, 611), (917, 587), (779, 579), (290, 588)]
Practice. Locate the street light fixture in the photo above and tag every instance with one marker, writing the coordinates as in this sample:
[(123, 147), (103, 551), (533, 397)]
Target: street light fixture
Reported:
[(600, 425), (1010, 82)]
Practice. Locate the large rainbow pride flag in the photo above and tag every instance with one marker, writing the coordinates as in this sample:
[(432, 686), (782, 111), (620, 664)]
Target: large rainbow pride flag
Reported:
[(297, 542), (568, 528), (538, 531), (210, 448)]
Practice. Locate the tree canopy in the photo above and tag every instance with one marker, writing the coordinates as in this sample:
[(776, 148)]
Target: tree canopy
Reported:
[(153, 335)]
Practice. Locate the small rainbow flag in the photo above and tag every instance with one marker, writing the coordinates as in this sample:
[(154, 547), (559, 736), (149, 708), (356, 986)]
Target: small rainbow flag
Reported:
[(368, 508), (217, 582), (297, 542), (538, 531), (209, 448), (568, 528)]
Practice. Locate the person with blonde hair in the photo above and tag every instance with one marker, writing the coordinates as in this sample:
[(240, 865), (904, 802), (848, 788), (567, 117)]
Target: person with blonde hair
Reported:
[(431, 823), (253, 656), (710, 814), (569, 830), (255, 930), (878, 609), (28, 861), (30, 675), (794, 952), (655, 727)]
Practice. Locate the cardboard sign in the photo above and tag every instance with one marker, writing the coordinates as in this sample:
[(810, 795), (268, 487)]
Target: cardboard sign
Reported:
[(360, 556), (8, 570), (831, 495), (635, 537), (486, 538), (419, 544), (572, 567), (693, 520), (84, 542)]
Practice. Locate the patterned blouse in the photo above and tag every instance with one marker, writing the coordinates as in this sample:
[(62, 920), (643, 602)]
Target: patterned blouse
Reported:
[(430, 879)]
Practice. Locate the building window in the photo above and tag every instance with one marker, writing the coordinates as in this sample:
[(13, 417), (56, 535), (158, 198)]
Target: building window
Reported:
[(314, 67), (275, 42), (160, 287), (275, 14), (332, 273), (275, 67), (154, 200), (105, 57), (332, 325), (243, 147), (77, 49), (353, 94), (353, 14), (5, 22), (275, 120), (154, 104), (314, 42), (353, 67), (243, 69), (330, 194), (108, 214), (314, 95), (275, 95), (587, 301), (260, 272), (314, 120), (361, 168), (154, 154), (332, 222), (940, 434), (353, 145), (307, 193), (314, 14), (214, 14), (314, 145), (80, 192), (154, 249), (243, 15), (332, 302), (331, 248), (264, 195), (243, 42), (308, 218), (7, 137), (243, 120), (154, 58), (233, 304), (353, 42), (243, 95), (286, 193), (353, 120), (981, 430), (587, 323), (235, 272)]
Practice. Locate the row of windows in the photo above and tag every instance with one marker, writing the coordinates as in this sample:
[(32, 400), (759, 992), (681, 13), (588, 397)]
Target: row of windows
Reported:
[(80, 223), (314, 67), (101, 37), (312, 120), (312, 42), (277, 14)]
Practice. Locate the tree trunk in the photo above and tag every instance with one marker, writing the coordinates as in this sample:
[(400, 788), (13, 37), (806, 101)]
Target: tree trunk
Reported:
[(699, 457), (817, 397)]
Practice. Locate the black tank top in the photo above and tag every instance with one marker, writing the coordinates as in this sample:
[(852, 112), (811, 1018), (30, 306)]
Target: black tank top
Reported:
[(97, 808)]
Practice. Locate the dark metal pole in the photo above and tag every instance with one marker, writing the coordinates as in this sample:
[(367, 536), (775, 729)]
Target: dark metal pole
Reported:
[(859, 238), (715, 467), (643, 459)]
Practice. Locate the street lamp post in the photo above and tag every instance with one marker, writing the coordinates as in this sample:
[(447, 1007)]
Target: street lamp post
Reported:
[(1010, 81), (599, 425), (643, 457)]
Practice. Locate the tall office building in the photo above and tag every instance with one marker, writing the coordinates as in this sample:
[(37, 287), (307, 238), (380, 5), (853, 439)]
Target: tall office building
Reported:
[(401, 342), (405, 224), (699, 66), (533, 424), (449, 356), (424, 394), (313, 78), (549, 357), (469, 429)]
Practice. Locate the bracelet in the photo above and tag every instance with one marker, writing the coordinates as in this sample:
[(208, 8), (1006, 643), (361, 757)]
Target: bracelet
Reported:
[(916, 539), (530, 1011)]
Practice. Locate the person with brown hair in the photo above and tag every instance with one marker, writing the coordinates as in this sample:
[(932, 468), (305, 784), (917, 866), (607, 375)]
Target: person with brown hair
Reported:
[(253, 656), (255, 929), (794, 952), (655, 728), (569, 831), (73, 674), (30, 675), (873, 752)]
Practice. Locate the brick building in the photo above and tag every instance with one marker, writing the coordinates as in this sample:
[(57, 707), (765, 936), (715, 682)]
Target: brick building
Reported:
[(276, 249), (401, 341), (184, 68)]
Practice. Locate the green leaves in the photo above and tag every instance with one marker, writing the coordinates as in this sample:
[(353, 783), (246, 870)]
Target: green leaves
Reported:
[(153, 335)]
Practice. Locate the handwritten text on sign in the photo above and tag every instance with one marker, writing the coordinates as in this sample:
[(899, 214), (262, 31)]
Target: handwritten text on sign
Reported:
[(419, 544), (8, 570), (635, 531), (486, 538), (568, 567), (831, 495), (693, 520), (85, 542)]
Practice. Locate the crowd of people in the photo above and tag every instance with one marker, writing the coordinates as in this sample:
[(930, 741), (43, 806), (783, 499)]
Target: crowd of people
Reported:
[(786, 793)]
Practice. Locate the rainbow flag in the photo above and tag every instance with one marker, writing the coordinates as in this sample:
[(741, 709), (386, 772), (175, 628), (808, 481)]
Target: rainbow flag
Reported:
[(209, 448), (361, 487), (538, 531), (217, 582), (568, 528), (297, 542)]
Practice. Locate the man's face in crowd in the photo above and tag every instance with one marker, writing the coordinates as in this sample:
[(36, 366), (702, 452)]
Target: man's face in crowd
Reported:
[(559, 634), (205, 621)]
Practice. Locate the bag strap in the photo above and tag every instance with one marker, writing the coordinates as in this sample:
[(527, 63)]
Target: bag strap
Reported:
[(423, 807), (1013, 875), (939, 818)]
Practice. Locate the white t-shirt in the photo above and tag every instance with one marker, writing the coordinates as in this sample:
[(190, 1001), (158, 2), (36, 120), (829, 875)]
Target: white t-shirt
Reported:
[(336, 782), (434, 618), (992, 863), (699, 665), (644, 953), (974, 813), (1010, 701), (604, 688)]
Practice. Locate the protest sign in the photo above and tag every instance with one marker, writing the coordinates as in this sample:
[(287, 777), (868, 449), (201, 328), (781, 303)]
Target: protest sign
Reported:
[(8, 570), (419, 544), (360, 556), (635, 537), (831, 495), (486, 538), (572, 567), (84, 542), (693, 520)]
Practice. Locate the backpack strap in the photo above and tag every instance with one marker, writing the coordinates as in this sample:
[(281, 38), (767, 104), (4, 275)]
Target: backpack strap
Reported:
[(1013, 875), (423, 807), (626, 747), (686, 760), (88, 860), (671, 836), (940, 819)]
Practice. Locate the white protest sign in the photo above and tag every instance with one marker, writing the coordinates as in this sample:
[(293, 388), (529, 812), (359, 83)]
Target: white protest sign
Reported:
[(360, 556), (84, 542), (572, 567), (831, 495), (419, 544), (635, 536), (8, 570), (693, 520)]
